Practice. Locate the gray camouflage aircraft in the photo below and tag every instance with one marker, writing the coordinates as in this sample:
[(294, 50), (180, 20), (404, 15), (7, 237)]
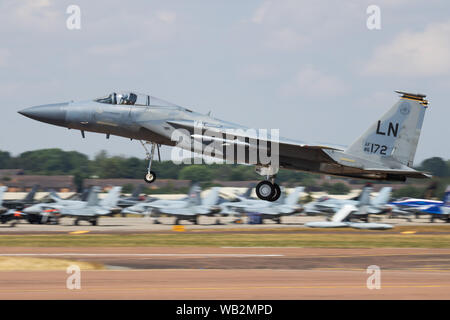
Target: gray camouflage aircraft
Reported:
[(93, 208), (284, 206), (341, 220), (384, 152), (330, 205), (189, 209)]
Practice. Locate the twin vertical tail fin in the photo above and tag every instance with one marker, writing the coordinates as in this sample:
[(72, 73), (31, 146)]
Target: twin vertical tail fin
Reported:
[(137, 191), (364, 197), (194, 198), (92, 199), (112, 198), (248, 192), (212, 198), (383, 197), (294, 196), (32, 193), (396, 134)]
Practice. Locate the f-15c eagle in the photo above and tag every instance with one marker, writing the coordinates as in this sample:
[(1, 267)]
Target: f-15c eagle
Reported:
[(384, 152)]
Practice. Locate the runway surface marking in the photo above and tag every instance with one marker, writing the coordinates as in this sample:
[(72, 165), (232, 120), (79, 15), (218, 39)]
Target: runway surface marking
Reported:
[(225, 255), (79, 232)]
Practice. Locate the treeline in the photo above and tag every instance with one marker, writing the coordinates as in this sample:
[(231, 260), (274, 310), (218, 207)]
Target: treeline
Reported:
[(59, 162)]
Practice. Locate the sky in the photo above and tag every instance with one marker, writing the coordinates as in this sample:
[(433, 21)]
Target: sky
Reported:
[(312, 69)]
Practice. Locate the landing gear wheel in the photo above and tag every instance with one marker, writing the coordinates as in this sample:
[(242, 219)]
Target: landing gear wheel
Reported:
[(150, 177), (277, 193), (265, 190)]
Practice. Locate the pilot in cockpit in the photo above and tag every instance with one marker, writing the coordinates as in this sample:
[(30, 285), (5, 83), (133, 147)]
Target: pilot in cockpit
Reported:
[(127, 98)]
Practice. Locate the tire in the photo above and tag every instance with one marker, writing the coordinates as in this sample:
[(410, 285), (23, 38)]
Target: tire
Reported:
[(265, 190), (150, 177), (277, 193)]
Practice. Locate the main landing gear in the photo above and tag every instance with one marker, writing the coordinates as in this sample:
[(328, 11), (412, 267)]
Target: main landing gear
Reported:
[(266, 190), (151, 175)]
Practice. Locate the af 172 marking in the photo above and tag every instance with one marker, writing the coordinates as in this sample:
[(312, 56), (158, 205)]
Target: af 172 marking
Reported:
[(375, 148), (391, 129)]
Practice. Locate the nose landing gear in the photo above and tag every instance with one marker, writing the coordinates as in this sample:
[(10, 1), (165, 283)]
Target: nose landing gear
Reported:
[(151, 175)]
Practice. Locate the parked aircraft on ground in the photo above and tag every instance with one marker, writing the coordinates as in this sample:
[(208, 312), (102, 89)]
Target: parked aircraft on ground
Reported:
[(341, 220), (414, 207), (373, 206), (42, 212), (22, 203), (285, 205), (189, 209), (93, 208)]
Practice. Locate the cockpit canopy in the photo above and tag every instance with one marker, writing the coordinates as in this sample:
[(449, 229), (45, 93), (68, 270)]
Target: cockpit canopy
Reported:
[(132, 98)]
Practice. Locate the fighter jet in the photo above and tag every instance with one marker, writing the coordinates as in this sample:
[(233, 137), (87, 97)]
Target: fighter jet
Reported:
[(133, 199), (341, 220), (145, 208), (330, 205), (20, 204), (228, 208), (189, 209), (271, 210), (412, 206), (93, 208), (440, 211), (5, 213), (81, 210), (384, 152)]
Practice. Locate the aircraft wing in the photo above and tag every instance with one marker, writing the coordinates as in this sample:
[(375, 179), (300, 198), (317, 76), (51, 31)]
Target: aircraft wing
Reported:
[(407, 172), (179, 211), (370, 225), (233, 135), (88, 212)]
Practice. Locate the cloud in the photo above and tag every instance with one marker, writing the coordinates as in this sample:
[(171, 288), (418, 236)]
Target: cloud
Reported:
[(289, 25), (114, 48), (313, 83), (166, 16), (261, 12), (257, 71), (4, 55), (38, 14), (135, 32), (424, 53), (285, 39)]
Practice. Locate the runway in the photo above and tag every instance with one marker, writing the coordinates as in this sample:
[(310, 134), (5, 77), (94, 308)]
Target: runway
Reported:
[(134, 225), (233, 273)]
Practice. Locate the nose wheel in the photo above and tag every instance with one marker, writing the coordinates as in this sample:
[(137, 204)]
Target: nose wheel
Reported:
[(151, 175), (266, 190)]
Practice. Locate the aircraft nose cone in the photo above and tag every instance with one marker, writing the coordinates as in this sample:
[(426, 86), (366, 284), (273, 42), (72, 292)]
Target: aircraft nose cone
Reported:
[(49, 113)]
